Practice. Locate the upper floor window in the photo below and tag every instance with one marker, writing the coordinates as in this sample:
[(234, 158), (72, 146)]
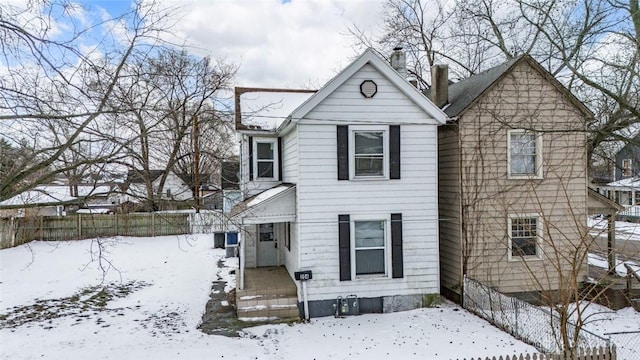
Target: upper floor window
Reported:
[(370, 152), (265, 159), (525, 154), (524, 237), (626, 167)]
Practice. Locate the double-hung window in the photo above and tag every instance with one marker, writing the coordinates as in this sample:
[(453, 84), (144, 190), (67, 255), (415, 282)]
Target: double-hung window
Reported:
[(370, 152), (524, 237), (525, 154), (265, 163), (369, 247)]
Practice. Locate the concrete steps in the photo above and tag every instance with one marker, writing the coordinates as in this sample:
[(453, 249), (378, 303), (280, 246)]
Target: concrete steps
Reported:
[(269, 293), (267, 306)]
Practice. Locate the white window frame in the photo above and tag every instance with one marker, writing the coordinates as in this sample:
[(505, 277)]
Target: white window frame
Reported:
[(386, 219), (256, 173), (628, 169), (538, 173), (539, 231), (385, 151)]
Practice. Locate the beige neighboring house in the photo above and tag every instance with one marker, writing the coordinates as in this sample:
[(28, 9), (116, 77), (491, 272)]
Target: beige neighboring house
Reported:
[(513, 195)]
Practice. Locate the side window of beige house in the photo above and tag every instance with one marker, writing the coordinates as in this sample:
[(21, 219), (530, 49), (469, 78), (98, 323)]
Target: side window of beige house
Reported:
[(524, 154), (626, 167), (524, 237)]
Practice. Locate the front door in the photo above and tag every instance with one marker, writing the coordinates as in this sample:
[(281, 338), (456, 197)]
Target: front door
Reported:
[(267, 245)]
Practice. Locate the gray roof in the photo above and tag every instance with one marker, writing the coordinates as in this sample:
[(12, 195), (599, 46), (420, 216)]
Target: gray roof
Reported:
[(463, 93)]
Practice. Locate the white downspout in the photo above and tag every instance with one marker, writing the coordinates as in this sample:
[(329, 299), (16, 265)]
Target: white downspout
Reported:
[(242, 257), (305, 299)]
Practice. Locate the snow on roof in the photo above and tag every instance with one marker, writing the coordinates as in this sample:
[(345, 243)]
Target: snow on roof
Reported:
[(630, 182), (268, 109), (94, 211), (267, 194), (45, 194), (37, 196)]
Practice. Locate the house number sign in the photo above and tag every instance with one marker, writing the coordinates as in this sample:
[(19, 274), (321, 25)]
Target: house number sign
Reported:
[(303, 275)]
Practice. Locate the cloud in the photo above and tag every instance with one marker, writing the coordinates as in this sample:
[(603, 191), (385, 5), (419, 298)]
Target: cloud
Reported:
[(300, 43)]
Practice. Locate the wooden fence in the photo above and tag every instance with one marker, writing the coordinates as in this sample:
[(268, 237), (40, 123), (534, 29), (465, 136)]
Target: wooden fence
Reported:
[(588, 354), (17, 231)]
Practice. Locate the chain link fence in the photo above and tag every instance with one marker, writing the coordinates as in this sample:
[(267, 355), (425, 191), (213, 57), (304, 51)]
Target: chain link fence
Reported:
[(627, 344), (534, 325)]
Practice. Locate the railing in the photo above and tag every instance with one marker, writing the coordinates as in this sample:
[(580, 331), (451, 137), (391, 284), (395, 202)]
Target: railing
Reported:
[(211, 222)]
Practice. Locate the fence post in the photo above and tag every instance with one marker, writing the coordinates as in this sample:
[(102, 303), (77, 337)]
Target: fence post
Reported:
[(79, 226), (517, 330), (13, 232), (41, 228), (153, 224)]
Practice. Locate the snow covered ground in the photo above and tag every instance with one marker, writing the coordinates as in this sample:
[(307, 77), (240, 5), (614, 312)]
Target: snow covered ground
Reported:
[(602, 262), (144, 298), (624, 230)]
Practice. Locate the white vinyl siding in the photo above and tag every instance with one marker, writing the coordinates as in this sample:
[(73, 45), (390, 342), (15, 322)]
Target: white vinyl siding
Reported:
[(290, 157), (321, 197)]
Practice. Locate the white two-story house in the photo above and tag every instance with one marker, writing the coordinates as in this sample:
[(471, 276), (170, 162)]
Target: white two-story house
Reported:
[(340, 183)]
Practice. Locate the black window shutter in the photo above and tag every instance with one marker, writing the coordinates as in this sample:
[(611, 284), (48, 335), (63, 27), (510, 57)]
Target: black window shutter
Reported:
[(394, 151), (250, 158), (344, 234), (343, 152), (280, 159), (396, 246)]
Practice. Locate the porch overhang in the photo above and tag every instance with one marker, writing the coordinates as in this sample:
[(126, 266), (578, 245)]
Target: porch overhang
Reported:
[(274, 205), (600, 204)]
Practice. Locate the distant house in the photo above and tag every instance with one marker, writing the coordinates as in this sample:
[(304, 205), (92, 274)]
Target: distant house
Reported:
[(53, 200), (226, 193), (628, 160), (625, 189), (341, 184), (513, 199), (177, 188)]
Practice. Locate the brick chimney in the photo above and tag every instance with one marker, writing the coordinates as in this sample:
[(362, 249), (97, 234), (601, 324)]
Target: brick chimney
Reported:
[(399, 61), (440, 85)]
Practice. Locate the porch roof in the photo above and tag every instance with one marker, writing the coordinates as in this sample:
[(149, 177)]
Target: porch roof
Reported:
[(600, 204), (632, 183), (277, 204)]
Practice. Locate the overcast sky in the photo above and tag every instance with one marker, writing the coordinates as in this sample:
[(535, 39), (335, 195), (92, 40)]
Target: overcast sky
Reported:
[(276, 43)]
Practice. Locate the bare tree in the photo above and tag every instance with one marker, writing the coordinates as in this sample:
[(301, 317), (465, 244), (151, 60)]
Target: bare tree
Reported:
[(54, 88), (591, 45), (166, 94)]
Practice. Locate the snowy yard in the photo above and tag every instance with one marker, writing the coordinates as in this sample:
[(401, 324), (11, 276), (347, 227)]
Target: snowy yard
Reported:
[(624, 230), (55, 304)]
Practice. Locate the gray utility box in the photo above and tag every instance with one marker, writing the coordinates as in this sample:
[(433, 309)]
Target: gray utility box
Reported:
[(218, 240), (347, 305)]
